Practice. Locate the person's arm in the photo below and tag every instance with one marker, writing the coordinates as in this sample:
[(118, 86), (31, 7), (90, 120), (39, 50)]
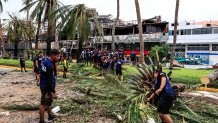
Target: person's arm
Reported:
[(49, 72), (163, 83), (37, 66), (57, 68), (151, 97)]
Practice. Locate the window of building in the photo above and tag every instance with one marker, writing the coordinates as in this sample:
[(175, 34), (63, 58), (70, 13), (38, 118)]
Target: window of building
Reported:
[(198, 47), (182, 32), (215, 47), (170, 32), (152, 29), (186, 32), (215, 30), (198, 31)]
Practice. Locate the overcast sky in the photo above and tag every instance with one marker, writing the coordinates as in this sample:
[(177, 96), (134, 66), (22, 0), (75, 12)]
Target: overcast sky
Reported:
[(197, 10)]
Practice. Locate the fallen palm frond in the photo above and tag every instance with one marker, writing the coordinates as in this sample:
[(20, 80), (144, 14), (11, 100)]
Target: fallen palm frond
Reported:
[(139, 110)]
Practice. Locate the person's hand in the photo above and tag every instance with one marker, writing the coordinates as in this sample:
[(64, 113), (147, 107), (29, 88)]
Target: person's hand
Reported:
[(157, 92), (54, 95), (148, 99)]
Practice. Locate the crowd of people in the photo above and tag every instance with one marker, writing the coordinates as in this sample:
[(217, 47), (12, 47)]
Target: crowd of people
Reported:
[(107, 60)]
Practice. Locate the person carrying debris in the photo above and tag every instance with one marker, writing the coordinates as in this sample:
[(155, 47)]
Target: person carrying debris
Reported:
[(163, 94), (47, 86)]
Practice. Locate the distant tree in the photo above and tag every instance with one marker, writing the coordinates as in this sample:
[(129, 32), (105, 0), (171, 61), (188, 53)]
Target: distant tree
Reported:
[(18, 30), (42, 13), (76, 22), (163, 51)]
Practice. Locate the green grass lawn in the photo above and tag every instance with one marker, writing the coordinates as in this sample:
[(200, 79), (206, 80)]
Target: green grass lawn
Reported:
[(180, 75), (15, 62)]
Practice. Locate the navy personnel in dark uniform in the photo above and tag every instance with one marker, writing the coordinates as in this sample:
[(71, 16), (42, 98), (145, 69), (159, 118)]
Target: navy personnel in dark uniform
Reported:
[(163, 94), (47, 85)]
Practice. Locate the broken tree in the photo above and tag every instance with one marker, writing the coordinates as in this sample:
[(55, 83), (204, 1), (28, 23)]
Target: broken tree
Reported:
[(209, 78)]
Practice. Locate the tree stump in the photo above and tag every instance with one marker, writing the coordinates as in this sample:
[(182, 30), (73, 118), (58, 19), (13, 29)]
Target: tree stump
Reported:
[(178, 88), (209, 78)]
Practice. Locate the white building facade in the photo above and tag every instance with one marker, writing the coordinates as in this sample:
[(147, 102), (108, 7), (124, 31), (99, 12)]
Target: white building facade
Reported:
[(196, 41)]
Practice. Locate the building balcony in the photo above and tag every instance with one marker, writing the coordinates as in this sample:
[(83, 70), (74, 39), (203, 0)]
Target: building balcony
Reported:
[(158, 37)]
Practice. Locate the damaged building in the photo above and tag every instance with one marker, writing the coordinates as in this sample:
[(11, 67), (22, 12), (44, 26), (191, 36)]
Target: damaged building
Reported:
[(155, 32)]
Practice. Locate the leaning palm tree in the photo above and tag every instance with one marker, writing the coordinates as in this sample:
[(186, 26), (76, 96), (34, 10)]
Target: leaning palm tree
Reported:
[(115, 23), (174, 35), (2, 38), (76, 21), (42, 11), (141, 57)]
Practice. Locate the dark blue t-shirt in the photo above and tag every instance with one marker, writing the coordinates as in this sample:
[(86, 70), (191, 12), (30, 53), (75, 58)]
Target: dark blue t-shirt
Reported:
[(119, 65), (167, 90), (39, 59), (22, 61), (47, 77)]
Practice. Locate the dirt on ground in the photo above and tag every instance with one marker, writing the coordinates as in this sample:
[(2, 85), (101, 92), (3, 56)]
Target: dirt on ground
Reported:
[(18, 91)]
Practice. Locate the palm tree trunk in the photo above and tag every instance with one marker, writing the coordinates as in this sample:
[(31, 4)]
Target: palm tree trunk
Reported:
[(28, 21), (174, 35), (15, 49), (37, 32), (115, 23), (78, 60), (51, 28), (141, 57), (2, 39)]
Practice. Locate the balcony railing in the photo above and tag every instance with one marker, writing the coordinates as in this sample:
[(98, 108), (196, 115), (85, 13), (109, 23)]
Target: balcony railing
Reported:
[(159, 37)]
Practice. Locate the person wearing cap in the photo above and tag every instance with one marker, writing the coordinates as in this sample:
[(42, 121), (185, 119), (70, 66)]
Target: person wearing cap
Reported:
[(163, 94), (47, 85)]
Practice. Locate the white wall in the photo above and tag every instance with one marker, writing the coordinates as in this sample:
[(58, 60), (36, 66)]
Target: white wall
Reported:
[(213, 59)]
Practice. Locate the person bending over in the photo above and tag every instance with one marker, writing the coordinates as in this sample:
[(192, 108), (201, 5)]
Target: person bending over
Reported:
[(163, 94)]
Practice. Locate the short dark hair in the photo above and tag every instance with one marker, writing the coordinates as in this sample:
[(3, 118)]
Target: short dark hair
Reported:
[(54, 52), (157, 71), (40, 52)]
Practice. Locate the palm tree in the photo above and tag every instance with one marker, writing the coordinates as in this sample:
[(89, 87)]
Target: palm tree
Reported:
[(26, 3), (141, 57), (76, 21), (175, 34), (15, 32), (42, 11), (115, 23), (1, 34)]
